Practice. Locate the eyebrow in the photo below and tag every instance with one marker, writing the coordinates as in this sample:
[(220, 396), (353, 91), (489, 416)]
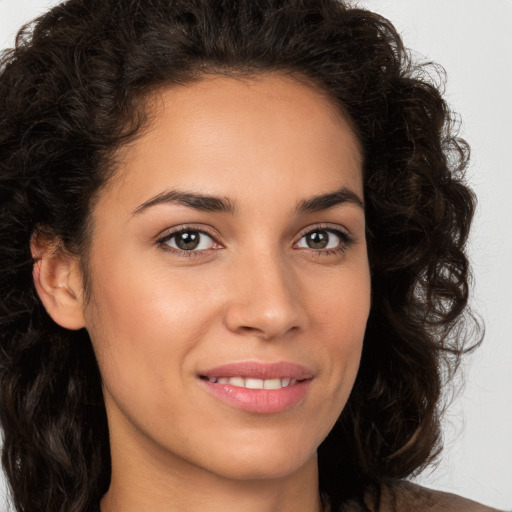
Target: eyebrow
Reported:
[(326, 201), (209, 203), (202, 202)]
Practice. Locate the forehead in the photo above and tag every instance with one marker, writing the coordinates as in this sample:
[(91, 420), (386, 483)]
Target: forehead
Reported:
[(261, 133)]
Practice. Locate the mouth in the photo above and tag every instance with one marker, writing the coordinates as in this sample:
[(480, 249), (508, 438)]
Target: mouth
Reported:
[(252, 383), (259, 387)]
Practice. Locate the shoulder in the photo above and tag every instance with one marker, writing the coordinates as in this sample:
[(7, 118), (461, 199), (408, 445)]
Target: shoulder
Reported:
[(403, 496)]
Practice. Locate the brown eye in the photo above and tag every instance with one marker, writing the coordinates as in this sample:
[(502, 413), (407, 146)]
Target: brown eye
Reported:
[(189, 240), (317, 239), (321, 239)]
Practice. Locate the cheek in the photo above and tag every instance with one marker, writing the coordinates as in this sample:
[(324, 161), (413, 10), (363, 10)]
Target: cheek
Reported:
[(142, 332), (130, 297), (340, 304), (144, 323), (341, 313)]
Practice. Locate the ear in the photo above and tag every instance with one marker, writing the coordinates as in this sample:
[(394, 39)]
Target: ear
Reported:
[(58, 280)]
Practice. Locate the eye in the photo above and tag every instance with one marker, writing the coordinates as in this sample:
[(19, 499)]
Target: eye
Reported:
[(323, 239), (188, 240)]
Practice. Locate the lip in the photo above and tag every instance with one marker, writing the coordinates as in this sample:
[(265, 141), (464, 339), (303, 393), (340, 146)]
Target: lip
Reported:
[(263, 401), (259, 370)]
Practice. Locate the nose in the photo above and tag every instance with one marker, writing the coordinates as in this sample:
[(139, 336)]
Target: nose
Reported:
[(264, 299)]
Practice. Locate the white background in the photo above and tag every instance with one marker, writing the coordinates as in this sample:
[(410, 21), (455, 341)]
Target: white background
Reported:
[(473, 41)]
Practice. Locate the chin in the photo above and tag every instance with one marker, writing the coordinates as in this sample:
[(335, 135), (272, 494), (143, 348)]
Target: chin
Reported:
[(264, 464)]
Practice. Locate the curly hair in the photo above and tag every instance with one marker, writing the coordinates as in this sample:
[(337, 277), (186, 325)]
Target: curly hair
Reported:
[(72, 92)]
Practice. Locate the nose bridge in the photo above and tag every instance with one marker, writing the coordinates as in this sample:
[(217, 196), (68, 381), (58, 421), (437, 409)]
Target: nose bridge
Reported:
[(264, 299)]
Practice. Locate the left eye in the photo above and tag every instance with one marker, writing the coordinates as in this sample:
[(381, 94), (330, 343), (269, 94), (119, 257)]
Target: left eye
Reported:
[(320, 239), (189, 240)]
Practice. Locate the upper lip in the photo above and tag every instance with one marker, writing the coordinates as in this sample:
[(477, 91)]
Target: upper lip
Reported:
[(260, 370)]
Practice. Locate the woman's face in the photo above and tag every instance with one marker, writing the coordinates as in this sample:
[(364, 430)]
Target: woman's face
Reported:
[(229, 279)]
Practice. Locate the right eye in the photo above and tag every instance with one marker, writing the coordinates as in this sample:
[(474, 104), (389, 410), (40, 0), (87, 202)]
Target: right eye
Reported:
[(188, 240)]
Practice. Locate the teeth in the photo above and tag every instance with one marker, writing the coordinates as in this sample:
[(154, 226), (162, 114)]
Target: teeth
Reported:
[(272, 384), (237, 381), (254, 383), (251, 383)]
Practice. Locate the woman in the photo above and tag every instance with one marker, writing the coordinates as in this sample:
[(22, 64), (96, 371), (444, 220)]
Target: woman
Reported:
[(234, 274)]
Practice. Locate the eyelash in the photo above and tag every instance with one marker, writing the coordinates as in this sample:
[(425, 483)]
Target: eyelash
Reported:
[(162, 241), (346, 240)]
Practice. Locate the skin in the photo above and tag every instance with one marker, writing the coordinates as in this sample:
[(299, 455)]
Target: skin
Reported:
[(254, 290)]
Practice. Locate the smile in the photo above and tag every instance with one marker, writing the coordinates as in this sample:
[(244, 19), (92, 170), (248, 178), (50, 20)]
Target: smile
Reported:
[(258, 387), (251, 383)]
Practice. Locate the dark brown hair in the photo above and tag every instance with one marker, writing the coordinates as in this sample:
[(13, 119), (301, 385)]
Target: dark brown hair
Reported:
[(72, 92)]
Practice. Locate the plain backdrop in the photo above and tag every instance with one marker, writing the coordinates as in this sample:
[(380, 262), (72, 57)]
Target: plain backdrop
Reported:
[(473, 41)]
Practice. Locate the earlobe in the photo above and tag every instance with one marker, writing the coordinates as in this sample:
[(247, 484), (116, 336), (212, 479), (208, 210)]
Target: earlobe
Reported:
[(58, 282)]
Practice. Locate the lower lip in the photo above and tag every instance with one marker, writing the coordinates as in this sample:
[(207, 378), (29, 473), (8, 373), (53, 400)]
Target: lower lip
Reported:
[(259, 400)]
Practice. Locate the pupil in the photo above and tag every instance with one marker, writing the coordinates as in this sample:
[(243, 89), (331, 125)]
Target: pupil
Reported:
[(317, 239), (188, 240)]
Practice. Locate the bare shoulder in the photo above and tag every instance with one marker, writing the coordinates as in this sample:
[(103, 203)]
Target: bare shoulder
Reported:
[(406, 496)]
